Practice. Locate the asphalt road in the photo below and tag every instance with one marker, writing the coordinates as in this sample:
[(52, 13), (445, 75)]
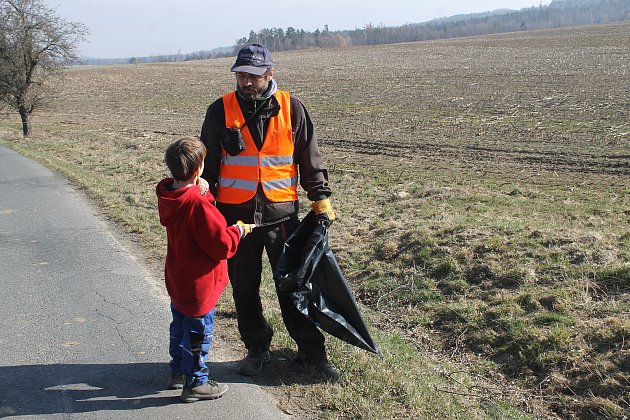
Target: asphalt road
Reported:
[(84, 328)]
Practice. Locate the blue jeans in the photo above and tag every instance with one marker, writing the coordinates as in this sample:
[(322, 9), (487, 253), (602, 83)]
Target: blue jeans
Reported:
[(190, 341)]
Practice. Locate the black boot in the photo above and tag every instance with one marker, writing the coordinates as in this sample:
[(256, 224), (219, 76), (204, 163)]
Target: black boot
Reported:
[(252, 364), (320, 364)]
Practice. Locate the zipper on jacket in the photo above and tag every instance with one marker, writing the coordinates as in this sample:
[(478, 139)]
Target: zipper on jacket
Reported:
[(258, 206)]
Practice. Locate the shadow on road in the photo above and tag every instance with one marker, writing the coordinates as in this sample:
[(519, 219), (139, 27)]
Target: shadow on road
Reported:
[(81, 388)]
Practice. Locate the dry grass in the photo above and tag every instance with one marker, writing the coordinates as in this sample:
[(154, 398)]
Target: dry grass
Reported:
[(483, 193)]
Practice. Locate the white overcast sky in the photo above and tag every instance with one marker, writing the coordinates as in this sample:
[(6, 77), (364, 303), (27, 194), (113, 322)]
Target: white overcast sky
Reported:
[(127, 28)]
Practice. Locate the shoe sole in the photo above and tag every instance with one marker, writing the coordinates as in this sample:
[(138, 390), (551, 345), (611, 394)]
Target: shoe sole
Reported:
[(197, 397), (257, 371)]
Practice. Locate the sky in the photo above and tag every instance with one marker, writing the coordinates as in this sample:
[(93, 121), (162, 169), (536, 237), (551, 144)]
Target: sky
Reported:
[(138, 28)]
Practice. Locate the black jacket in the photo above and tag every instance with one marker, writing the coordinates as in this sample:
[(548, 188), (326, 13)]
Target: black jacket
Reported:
[(313, 176)]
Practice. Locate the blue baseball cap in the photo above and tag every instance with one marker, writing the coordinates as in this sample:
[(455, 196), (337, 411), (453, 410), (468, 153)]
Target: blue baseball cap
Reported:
[(253, 59)]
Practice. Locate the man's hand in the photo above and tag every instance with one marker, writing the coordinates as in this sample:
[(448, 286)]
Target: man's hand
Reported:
[(245, 228), (323, 206)]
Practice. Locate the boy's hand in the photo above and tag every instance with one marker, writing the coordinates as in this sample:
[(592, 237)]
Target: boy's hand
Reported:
[(203, 185), (245, 228)]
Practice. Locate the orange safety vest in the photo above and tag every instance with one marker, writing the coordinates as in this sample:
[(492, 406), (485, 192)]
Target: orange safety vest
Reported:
[(272, 166)]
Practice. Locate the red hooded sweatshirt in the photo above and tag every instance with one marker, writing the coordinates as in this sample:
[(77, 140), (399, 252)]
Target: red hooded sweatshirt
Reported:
[(199, 242)]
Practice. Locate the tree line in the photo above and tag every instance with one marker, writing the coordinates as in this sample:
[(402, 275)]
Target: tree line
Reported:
[(559, 13)]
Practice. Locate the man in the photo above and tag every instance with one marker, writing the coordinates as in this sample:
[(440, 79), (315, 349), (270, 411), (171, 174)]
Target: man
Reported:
[(260, 141)]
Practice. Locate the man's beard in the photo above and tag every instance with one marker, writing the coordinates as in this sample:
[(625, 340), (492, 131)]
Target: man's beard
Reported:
[(250, 94)]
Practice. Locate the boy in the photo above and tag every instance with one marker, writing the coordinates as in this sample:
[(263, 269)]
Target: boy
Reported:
[(199, 242)]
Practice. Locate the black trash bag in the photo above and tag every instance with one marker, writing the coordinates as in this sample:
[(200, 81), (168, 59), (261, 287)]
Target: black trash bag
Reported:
[(308, 270)]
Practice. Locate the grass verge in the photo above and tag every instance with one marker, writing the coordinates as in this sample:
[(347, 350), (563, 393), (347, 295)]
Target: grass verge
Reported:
[(402, 382)]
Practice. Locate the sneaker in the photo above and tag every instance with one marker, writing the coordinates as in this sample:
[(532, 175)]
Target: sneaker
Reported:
[(208, 391), (177, 381), (253, 363), (321, 365)]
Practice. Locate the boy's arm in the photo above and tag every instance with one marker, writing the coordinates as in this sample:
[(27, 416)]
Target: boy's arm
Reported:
[(211, 232)]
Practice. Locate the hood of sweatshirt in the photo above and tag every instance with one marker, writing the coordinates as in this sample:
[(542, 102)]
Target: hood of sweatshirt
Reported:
[(171, 201)]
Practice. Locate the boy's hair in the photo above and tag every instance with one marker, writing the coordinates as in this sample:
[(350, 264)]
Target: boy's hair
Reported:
[(184, 156)]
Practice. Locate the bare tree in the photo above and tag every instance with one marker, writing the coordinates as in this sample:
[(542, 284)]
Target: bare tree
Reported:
[(35, 45)]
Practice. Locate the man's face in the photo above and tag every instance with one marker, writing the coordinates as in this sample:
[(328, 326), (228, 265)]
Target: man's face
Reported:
[(252, 86)]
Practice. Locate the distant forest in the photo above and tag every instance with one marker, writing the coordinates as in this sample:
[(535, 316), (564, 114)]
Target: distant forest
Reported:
[(558, 14)]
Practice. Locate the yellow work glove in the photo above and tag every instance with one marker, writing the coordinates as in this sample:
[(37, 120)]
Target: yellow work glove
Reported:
[(245, 228), (323, 206)]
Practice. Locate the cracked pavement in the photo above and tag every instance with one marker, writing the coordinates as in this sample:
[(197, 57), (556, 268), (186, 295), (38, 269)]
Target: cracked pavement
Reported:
[(84, 326)]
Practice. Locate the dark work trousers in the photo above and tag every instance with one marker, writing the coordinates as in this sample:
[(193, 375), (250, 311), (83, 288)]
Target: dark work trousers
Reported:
[(245, 270)]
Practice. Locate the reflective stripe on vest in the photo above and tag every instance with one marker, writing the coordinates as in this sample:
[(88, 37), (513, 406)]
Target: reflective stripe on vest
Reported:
[(272, 166)]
